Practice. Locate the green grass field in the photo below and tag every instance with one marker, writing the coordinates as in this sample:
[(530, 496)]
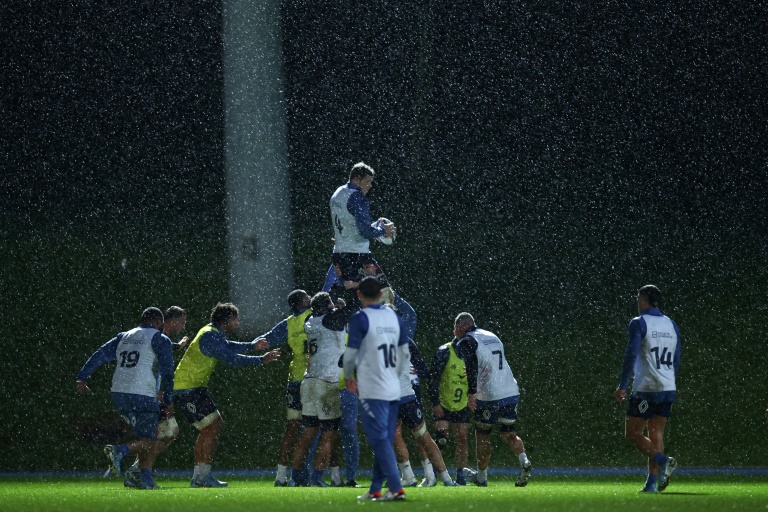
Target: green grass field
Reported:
[(686, 493)]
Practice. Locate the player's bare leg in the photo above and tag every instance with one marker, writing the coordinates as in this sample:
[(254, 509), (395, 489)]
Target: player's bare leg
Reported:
[(207, 441), (461, 433), (514, 442), (633, 431), (288, 441), (402, 457), (205, 448), (483, 445), (427, 445), (328, 440), (651, 447), (301, 451), (401, 449)]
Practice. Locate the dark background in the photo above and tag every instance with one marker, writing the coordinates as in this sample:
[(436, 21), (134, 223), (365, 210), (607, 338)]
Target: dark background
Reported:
[(542, 162)]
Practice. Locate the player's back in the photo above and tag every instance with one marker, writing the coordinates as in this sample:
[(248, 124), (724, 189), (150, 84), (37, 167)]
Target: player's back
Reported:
[(325, 348), (654, 368), (495, 380), (377, 374), (347, 236), (136, 362)]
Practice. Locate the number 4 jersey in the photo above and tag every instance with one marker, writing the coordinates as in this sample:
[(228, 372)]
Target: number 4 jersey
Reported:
[(136, 370)]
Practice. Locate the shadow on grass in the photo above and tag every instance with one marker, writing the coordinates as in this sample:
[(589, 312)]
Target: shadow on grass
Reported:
[(679, 493)]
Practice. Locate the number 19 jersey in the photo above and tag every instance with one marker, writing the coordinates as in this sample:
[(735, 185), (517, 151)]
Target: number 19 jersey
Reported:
[(136, 363), (495, 380)]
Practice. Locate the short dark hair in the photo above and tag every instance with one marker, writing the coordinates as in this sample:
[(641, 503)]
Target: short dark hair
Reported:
[(320, 302), (370, 287), (360, 170), (296, 300), (174, 312), (222, 312), (650, 293), (464, 319), (151, 315)]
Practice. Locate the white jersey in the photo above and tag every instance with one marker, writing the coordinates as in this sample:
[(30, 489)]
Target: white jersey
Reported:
[(406, 383), (376, 360), (136, 371), (654, 370), (495, 380), (348, 238), (325, 349)]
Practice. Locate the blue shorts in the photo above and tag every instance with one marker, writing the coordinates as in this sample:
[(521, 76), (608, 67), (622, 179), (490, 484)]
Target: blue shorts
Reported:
[(461, 416), (410, 413), (502, 411), (140, 412), (351, 264), (646, 409), (195, 403), (293, 395)]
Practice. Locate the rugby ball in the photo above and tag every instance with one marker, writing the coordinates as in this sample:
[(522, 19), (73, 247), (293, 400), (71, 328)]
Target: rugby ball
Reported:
[(385, 239)]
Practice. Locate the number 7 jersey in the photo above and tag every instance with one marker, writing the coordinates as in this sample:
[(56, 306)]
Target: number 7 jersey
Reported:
[(495, 380)]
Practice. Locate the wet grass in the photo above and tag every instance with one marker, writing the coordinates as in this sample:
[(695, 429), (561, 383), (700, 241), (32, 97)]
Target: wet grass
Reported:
[(699, 494)]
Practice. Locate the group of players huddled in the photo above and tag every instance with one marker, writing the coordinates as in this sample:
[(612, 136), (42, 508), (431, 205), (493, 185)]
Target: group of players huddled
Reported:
[(353, 357)]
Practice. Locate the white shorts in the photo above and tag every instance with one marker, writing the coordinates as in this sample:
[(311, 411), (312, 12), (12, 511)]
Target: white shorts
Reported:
[(320, 398)]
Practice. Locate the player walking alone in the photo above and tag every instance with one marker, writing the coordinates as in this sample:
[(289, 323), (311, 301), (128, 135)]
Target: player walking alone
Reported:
[(653, 355)]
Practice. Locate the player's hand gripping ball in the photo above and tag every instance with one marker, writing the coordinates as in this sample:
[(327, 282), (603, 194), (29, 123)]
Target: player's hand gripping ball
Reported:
[(386, 240)]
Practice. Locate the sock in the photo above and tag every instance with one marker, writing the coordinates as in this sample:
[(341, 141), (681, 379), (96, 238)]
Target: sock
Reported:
[(524, 459), (650, 481), (446, 476), (317, 475), (204, 471), (196, 473), (335, 475), (281, 472), (482, 475), (429, 471), (407, 471), (660, 458), (146, 476), (459, 474), (135, 466), (123, 448)]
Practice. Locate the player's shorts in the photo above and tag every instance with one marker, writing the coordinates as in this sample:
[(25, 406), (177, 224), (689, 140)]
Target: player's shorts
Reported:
[(140, 412), (410, 413), (355, 266), (196, 405), (503, 412), (293, 400), (461, 416), (320, 398), (640, 408)]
